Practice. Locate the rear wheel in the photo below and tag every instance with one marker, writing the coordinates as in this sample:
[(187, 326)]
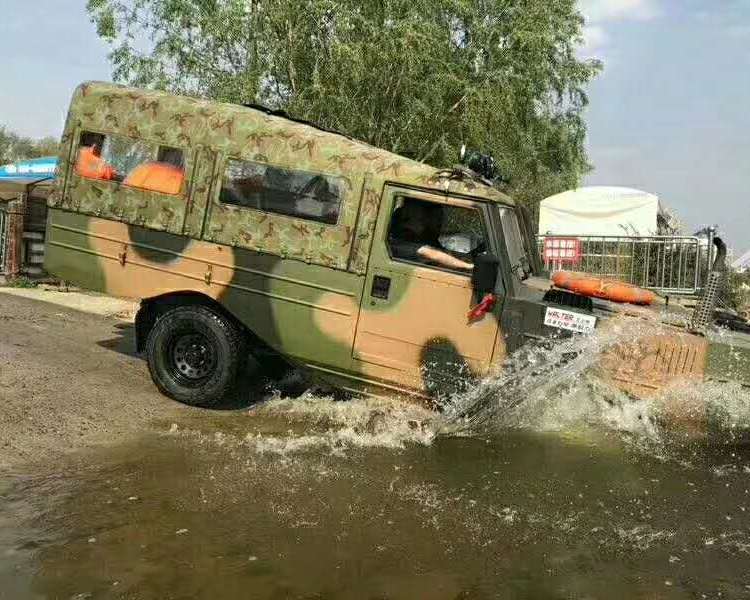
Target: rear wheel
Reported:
[(194, 355)]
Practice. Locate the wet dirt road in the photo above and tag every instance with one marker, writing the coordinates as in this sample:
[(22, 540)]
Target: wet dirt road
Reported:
[(109, 491), (69, 380)]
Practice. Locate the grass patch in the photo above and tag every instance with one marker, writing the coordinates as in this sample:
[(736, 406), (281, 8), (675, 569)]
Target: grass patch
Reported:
[(21, 282)]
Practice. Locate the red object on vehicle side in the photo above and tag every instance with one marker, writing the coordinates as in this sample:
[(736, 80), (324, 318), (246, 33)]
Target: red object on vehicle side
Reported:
[(481, 309), (606, 289)]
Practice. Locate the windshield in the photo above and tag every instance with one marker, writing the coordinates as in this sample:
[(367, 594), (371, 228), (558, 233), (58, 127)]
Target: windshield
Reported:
[(514, 240)]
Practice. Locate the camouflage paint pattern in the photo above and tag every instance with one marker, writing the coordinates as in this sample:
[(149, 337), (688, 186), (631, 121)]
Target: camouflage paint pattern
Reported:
[(302, 286), (434, 304), (299, 285), (237, 132)]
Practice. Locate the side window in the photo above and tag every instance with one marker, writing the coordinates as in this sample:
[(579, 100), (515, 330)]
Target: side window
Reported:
[(298, 194), (436, 235), (132, 162)]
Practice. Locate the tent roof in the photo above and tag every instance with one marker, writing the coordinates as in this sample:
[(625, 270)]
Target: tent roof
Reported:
[(30, 168), (596, 193), (10, 188), (743, 262), (600, 211)]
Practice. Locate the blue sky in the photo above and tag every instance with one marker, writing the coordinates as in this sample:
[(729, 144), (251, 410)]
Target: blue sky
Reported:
[(670, 114)]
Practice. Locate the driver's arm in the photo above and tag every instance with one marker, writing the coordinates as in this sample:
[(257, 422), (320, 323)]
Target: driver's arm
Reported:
[(443, 258)]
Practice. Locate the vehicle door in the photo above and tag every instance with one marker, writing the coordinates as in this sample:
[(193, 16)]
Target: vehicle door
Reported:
[(414, 327)]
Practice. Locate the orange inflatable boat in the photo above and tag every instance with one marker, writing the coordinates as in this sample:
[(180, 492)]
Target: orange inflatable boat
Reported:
[(606, 289)]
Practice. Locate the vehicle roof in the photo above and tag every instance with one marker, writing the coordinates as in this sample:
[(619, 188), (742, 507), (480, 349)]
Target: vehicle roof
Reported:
[(254, 134)]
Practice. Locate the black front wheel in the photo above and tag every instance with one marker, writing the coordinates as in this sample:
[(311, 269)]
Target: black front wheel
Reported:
[(194, 355)]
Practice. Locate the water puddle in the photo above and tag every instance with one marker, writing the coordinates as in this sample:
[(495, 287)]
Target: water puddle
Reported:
[(539, 483), (518, 516)]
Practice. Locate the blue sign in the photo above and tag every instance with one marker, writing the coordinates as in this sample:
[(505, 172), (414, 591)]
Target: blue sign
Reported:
[(37, 168)]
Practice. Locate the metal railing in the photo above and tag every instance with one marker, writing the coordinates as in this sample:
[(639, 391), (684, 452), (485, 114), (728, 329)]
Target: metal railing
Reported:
[(3, 235), (672, 265)]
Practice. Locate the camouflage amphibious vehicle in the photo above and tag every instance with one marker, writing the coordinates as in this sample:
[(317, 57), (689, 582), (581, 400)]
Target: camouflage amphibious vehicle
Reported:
[(243, 231)]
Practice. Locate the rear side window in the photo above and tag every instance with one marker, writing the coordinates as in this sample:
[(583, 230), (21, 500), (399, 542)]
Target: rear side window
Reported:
[(131, 162), (298, 194)]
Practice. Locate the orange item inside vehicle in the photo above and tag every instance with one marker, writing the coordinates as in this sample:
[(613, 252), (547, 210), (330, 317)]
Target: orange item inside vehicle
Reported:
[(93, 166), (606, 289), (156, 177)]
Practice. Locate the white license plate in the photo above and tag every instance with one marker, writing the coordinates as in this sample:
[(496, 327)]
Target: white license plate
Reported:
[(565, 319)]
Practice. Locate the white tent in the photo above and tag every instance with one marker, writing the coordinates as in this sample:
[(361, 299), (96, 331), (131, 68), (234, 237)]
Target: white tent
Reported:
[(742, 264), (600, 211)]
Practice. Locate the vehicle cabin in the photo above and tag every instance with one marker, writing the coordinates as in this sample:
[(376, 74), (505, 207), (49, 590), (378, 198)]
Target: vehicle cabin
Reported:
[(240, 229)]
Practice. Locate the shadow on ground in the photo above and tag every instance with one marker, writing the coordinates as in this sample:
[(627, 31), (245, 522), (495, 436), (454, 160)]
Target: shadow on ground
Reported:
[(123, 342)]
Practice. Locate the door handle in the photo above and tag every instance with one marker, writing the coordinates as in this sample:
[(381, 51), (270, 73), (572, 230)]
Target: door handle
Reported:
[(381, 287)]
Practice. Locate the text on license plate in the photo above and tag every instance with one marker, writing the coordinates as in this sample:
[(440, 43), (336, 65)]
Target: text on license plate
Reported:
[(565, 319)]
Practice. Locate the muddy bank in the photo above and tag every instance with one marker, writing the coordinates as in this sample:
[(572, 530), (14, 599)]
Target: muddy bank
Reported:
[(69, 380)]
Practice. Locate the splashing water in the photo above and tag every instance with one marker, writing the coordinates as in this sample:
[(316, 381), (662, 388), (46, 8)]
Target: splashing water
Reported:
[(314, 423), (360, 422), (546, 387), (552, 387), (541, 386)]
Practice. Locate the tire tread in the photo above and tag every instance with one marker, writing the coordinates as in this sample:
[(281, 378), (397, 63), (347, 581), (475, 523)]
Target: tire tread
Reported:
[(235, 340)]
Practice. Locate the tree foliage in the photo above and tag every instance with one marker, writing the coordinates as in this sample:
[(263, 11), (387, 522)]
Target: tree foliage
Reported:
[(15, 147), (418, 77), (738, 291)]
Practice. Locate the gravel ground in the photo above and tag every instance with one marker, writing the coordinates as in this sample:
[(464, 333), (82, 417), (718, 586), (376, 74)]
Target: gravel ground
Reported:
[(69, 379)]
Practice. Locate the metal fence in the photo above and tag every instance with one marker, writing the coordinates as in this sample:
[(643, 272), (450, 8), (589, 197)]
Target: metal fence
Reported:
[(676, 265), (3, 236)]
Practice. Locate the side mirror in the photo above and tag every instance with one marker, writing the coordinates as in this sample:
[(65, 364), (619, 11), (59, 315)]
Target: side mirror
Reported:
[(484, 277)]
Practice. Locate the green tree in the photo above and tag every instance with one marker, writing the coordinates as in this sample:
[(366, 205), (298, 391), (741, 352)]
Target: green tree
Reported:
[(418, 77), (738, 291), (15, 147), (46, 146), (10, 144)]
